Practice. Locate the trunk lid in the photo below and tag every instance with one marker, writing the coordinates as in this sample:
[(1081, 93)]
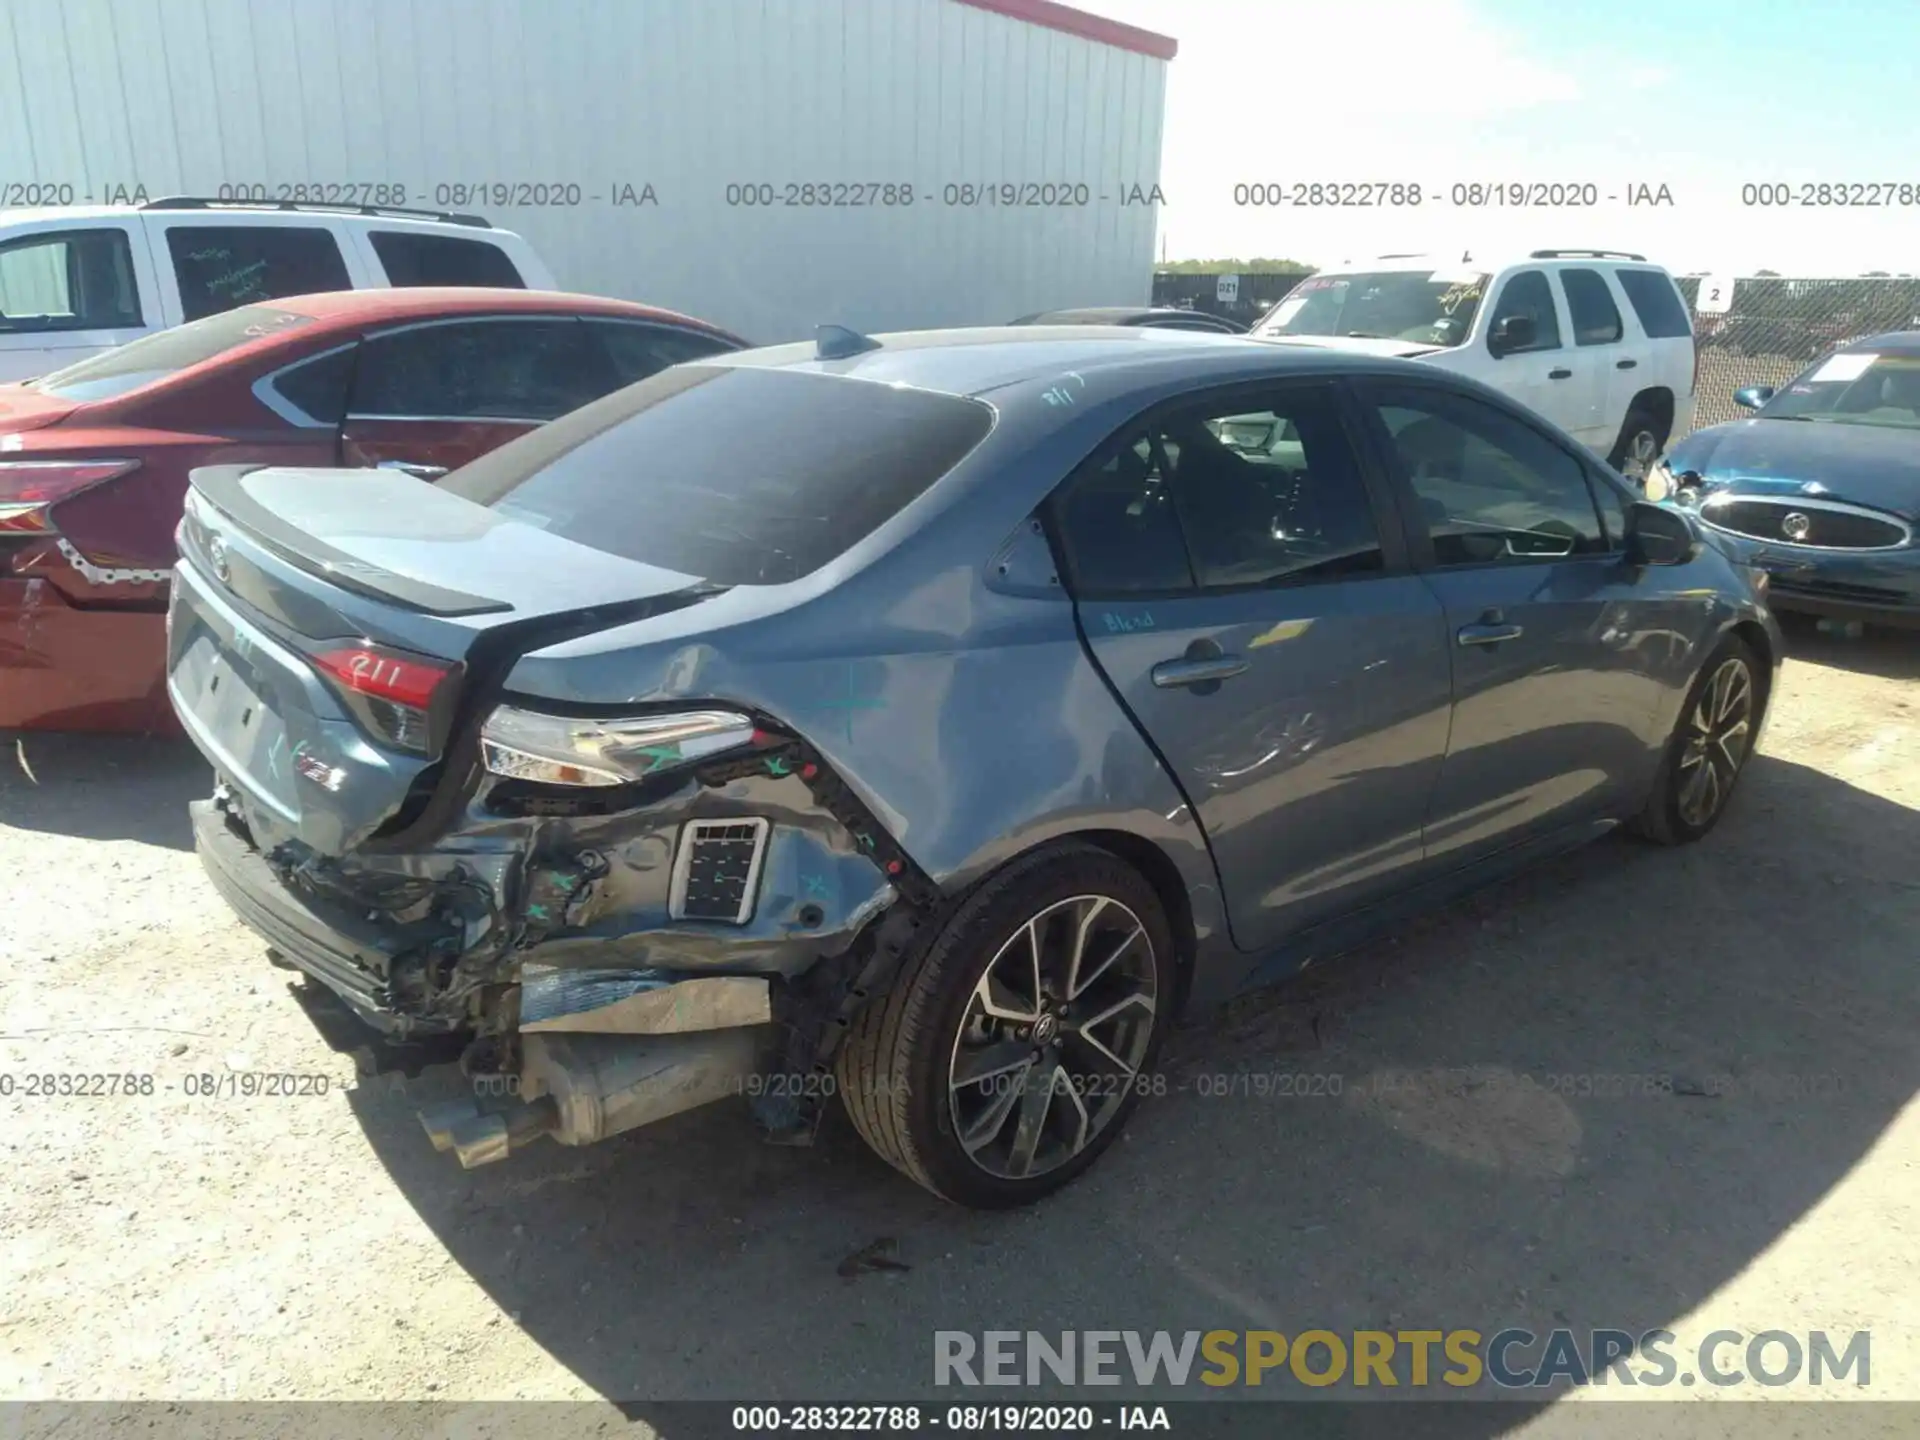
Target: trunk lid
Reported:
[(311, 607)]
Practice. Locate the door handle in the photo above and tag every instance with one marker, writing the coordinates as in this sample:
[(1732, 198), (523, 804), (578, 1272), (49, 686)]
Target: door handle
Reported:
[(1625, 364), (1559, 374), (419, 472), (1173, 674), (1489, 632)]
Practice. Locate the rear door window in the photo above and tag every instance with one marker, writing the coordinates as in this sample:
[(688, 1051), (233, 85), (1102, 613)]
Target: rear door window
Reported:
[(741, 476), (221, 266), (1258, 497), (638, 350), (1655, 300), (489, 368), (1596, 319), (414, 259), (68, 280)]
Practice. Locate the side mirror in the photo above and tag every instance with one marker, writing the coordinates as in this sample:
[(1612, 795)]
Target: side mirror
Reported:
[(1753, 396), (1657, 535), (1510, 333)]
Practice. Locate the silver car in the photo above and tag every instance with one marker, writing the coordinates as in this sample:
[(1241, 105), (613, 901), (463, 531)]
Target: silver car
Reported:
[(925, 721)]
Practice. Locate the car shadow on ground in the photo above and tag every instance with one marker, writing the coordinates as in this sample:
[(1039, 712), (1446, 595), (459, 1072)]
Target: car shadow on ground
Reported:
[(102, 787), (1587, 1099), (1877, 650)]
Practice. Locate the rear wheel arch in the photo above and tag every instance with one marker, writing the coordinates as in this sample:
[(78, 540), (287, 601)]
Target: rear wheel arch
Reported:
[(1159, 871), (1156, 866), (1761, 643), (1657, 403)]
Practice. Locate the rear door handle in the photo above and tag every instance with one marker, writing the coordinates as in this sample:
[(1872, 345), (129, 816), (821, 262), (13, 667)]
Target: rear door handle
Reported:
[(1489, 633), (419, 472), (1559, 374), (1173, 674), (1625, 364)]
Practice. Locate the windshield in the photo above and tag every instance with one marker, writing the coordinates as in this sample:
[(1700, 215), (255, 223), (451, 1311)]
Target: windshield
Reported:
[(116, 372), (1854, 387), (743, 476), (1429, 307)]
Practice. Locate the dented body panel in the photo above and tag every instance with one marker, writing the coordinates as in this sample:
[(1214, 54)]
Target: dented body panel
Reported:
[(904, 713)]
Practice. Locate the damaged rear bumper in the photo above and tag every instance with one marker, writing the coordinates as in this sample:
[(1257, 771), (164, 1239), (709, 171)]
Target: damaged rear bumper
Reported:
[(352, 956), (564, 950)]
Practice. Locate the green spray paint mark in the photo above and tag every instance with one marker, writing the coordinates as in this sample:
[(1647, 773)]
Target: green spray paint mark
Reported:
[(849, 702)]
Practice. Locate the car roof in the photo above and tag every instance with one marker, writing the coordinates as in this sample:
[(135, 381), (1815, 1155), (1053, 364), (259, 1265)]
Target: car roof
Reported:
[(1112, 315), (1902, 342), (973, 362), (363, 307), (255, 212), (1490, 261)]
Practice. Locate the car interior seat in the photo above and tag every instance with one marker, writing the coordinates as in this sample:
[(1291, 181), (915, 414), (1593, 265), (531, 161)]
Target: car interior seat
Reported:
[(1124, 536)]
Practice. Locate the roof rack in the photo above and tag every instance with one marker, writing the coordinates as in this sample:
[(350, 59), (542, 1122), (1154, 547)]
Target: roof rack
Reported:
[(1585, 255), (202, 202)]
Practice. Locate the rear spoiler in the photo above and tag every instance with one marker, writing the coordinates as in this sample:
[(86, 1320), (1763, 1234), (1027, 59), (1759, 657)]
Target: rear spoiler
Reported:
[(220, 487)]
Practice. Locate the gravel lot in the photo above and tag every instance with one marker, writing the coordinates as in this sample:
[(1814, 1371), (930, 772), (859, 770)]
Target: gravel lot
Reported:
[(315, 1247)]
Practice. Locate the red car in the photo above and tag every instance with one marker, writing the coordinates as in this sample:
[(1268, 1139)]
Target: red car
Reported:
[(94, 458)]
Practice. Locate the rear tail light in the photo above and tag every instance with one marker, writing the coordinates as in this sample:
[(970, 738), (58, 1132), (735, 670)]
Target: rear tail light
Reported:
[(30, 488), (557, 750), (389, 691)]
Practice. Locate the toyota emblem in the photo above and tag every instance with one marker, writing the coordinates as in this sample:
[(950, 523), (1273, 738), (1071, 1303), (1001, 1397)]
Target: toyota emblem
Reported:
[(1796, 526), (217, 557)]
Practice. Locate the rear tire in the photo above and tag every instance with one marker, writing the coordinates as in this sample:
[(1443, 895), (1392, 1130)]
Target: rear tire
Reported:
[(1642, 438), (1011, 1049), (1712, 741)]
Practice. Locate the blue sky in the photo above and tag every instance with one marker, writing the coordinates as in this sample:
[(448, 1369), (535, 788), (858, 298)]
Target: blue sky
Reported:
[(1700, 95)]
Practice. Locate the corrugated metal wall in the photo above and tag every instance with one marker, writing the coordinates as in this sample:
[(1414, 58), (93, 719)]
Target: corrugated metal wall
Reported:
[(687, 96)]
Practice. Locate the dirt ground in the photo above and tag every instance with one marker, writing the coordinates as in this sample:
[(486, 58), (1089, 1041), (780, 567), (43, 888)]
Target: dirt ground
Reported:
[(201, 1247)]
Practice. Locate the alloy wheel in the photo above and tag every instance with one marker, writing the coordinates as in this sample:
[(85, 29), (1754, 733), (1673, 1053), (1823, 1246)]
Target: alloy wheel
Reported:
[(1053, 1037), (1718, 734)]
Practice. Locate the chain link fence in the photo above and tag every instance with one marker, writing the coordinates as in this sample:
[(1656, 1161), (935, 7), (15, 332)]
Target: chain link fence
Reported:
[(1774, 327), (1771, 329)]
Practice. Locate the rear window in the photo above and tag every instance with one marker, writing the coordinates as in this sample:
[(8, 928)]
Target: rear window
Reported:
[(411, 259), (116, 372), (1656, 302), (740, 476)]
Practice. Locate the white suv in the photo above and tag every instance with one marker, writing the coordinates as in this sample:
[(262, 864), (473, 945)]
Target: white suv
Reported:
[(81, 279), (1597, 341)]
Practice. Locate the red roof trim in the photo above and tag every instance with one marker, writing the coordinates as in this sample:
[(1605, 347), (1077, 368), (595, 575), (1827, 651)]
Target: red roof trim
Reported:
[(1079, 22)]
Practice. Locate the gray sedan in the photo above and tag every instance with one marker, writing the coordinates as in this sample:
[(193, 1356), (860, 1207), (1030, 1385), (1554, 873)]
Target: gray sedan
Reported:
[(925, 721)]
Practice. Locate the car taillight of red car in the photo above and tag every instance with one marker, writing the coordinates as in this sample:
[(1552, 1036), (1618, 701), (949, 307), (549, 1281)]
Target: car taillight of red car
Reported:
[(29, 489)]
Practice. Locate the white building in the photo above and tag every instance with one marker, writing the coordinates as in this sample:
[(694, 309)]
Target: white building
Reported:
[(766, 164)]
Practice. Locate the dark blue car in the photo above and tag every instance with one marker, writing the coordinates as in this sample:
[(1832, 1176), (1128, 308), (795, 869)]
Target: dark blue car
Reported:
[(1821, 487)]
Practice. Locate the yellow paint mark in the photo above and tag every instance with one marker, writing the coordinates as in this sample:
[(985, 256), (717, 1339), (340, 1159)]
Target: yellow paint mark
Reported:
[(1285, 630)]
